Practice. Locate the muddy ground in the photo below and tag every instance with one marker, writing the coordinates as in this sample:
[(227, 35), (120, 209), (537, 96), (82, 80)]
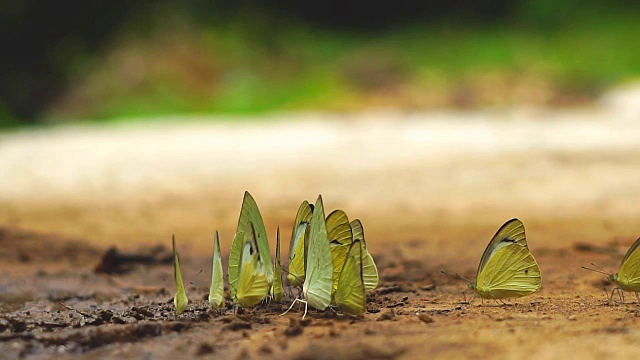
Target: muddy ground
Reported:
[(431, 191)]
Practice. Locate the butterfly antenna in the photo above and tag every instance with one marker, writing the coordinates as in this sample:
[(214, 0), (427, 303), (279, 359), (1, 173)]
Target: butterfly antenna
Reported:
[(288, 273), (194, 277), (597, 267), (285, 266), (456, 276), (596, 270), (463, 278), (291, 259), (285, 269)]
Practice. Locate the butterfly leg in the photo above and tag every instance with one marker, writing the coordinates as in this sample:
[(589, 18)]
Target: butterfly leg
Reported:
[(606, 293), (464, 298), (305, 309), (473, 298), (333, 309), (619, 294), (293, 303), (611, 296)]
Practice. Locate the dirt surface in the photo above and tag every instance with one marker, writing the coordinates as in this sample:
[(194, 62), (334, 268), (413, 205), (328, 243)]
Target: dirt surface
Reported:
[(431, 190)]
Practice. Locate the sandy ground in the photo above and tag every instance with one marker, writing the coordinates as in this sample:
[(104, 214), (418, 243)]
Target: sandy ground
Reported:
[(430, 188)]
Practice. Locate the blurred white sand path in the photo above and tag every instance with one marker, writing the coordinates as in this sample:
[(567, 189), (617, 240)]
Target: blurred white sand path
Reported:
[(527, 162)]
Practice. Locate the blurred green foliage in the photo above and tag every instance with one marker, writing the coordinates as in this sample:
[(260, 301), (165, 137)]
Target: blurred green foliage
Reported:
[(185, 58)]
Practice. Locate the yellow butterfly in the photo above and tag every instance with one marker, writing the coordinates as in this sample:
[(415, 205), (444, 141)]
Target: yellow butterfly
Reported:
[(507, 268), (318, 281), (216, 291), (248, 213), (369, 269), (253, 282), (180, 300), (350, 296), (628, 276), (299, 245), (277, 291), (340, 240)]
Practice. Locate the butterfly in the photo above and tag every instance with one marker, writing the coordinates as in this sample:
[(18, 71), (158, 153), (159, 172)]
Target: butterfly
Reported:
[(507, 268), (180, 300), (277, 291), (216, 292), (369, 269), (299, 245), (318, 281), (249, 213), (253, 281), (340, 240), (628, 276), (350, 295)]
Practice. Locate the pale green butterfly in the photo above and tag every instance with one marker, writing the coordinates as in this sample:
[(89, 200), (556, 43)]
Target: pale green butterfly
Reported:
[(216, 291), (350, 295), (180, 300), (318, 282), (248, 213)]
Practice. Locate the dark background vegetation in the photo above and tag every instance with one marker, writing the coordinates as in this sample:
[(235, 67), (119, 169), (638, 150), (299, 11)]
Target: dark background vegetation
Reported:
[(248, 56)]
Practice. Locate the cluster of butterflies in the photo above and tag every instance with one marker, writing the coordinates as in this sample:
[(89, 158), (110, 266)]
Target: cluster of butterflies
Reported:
[(328, 262)]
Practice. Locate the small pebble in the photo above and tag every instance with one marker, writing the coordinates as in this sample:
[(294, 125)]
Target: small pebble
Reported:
[(425, 318), (388, 315), (204, 349)]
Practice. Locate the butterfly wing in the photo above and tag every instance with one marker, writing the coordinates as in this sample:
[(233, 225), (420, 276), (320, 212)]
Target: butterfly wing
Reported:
[(180, 300), (631, 250), (510, 272), (253, 283), (370, 272), (369, 269), (629, 273), (512, 231), (319, 273), (216, 291), (277, 291), (350, 295), (298, 245), (248, 212), (340, 240)]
